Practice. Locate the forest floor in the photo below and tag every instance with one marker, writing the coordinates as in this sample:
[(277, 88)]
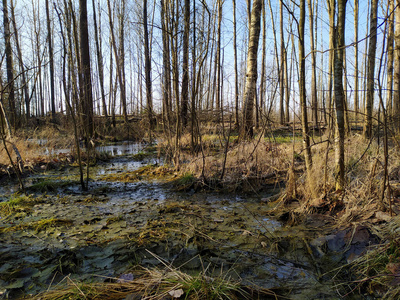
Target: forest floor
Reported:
[(236, 220)]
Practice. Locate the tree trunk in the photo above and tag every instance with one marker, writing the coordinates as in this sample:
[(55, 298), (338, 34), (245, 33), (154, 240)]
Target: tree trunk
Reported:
[(100, 64), (356, 86), (371, 70), (339, 96), (235, 66), (331, 11), (263, 62), (27, 99), (51, 62), (119, 62), (251, 73), (314, 99), (396, 79), (302, 89), (185, 66), (9, 66), (390, 53), (166, 68), (147, 68), (86, 73), (281, 69)]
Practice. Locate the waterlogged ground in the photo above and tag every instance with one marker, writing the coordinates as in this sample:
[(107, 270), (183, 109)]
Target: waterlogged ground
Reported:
[(127, 219)]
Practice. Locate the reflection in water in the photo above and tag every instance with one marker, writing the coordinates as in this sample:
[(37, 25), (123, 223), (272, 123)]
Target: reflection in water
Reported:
[(125, 148)]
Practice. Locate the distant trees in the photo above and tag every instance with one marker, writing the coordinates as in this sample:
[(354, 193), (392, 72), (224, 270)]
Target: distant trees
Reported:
[(172, 57)]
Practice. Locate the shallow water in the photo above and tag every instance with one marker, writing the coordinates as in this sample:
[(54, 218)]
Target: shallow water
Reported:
[(115, 224)]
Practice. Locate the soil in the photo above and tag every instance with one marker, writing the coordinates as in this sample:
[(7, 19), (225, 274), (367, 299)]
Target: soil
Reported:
[(132, 216)]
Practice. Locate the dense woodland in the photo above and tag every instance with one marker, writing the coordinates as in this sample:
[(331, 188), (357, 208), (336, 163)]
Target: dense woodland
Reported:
[(237, 94)]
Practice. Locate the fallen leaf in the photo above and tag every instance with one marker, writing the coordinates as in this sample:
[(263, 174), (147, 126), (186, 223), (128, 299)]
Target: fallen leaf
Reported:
[(176, 293)]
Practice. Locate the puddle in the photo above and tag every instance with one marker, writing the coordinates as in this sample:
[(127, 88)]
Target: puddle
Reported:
[(123, 148)]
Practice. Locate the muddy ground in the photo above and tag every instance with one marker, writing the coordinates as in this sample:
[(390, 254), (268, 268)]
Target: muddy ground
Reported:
[(129, 219)]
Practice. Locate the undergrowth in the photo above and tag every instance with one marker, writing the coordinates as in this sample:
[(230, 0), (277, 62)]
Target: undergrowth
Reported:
[(156, 284)]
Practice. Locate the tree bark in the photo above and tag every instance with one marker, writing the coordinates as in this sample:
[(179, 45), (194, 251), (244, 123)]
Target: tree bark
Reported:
[(100, 64), (147, 68), (86, 72), (371, 69), (339, 96), (302, 89), (251, 73), (51, 62), (9, 67), (185, 66), (390, 54), (356, 85), (235, 66), (396, 79), (314, 99), (27, 99)]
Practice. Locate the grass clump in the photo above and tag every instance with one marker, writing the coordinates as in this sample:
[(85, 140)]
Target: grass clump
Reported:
[(155, 284), (38, 226), (379, 269), (44, 186), (17, 203), (184, 182), (12, 205), (141, 155)]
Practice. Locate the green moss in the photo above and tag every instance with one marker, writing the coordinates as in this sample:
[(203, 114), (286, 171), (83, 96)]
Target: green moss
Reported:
[(17, 203), (141, 155), (44, 186), (38, 226)]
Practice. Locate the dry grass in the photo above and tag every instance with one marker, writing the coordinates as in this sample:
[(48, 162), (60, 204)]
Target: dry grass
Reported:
[(154, 284), (260, 162), (379, 270), (256, 160), (36, 144)]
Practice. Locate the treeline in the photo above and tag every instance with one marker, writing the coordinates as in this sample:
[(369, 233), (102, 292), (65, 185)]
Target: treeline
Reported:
[(251, 62)]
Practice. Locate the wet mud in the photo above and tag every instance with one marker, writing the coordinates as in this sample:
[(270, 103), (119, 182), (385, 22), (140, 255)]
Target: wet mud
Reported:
[(127, 219)]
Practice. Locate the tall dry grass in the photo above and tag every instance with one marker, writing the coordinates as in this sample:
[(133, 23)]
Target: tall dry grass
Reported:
[(36, 144)]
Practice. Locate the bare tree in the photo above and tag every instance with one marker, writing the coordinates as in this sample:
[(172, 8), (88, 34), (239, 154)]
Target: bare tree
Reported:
[(100, 64), (9, 66), (302, 88), (51, 61), (185, 66), (371, 69), (236, 66), (21, 63), (251, 73), (356, 86), (339, 43), (147, 68), (396, 77), (314, 99), (390, 54), (86, 71)]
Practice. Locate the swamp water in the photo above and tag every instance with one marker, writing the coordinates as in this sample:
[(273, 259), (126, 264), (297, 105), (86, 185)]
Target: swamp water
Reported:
[(119, 224)]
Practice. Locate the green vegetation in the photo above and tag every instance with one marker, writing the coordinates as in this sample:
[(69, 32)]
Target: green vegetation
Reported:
[(38, 226), (47, 185), (17, 203)]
